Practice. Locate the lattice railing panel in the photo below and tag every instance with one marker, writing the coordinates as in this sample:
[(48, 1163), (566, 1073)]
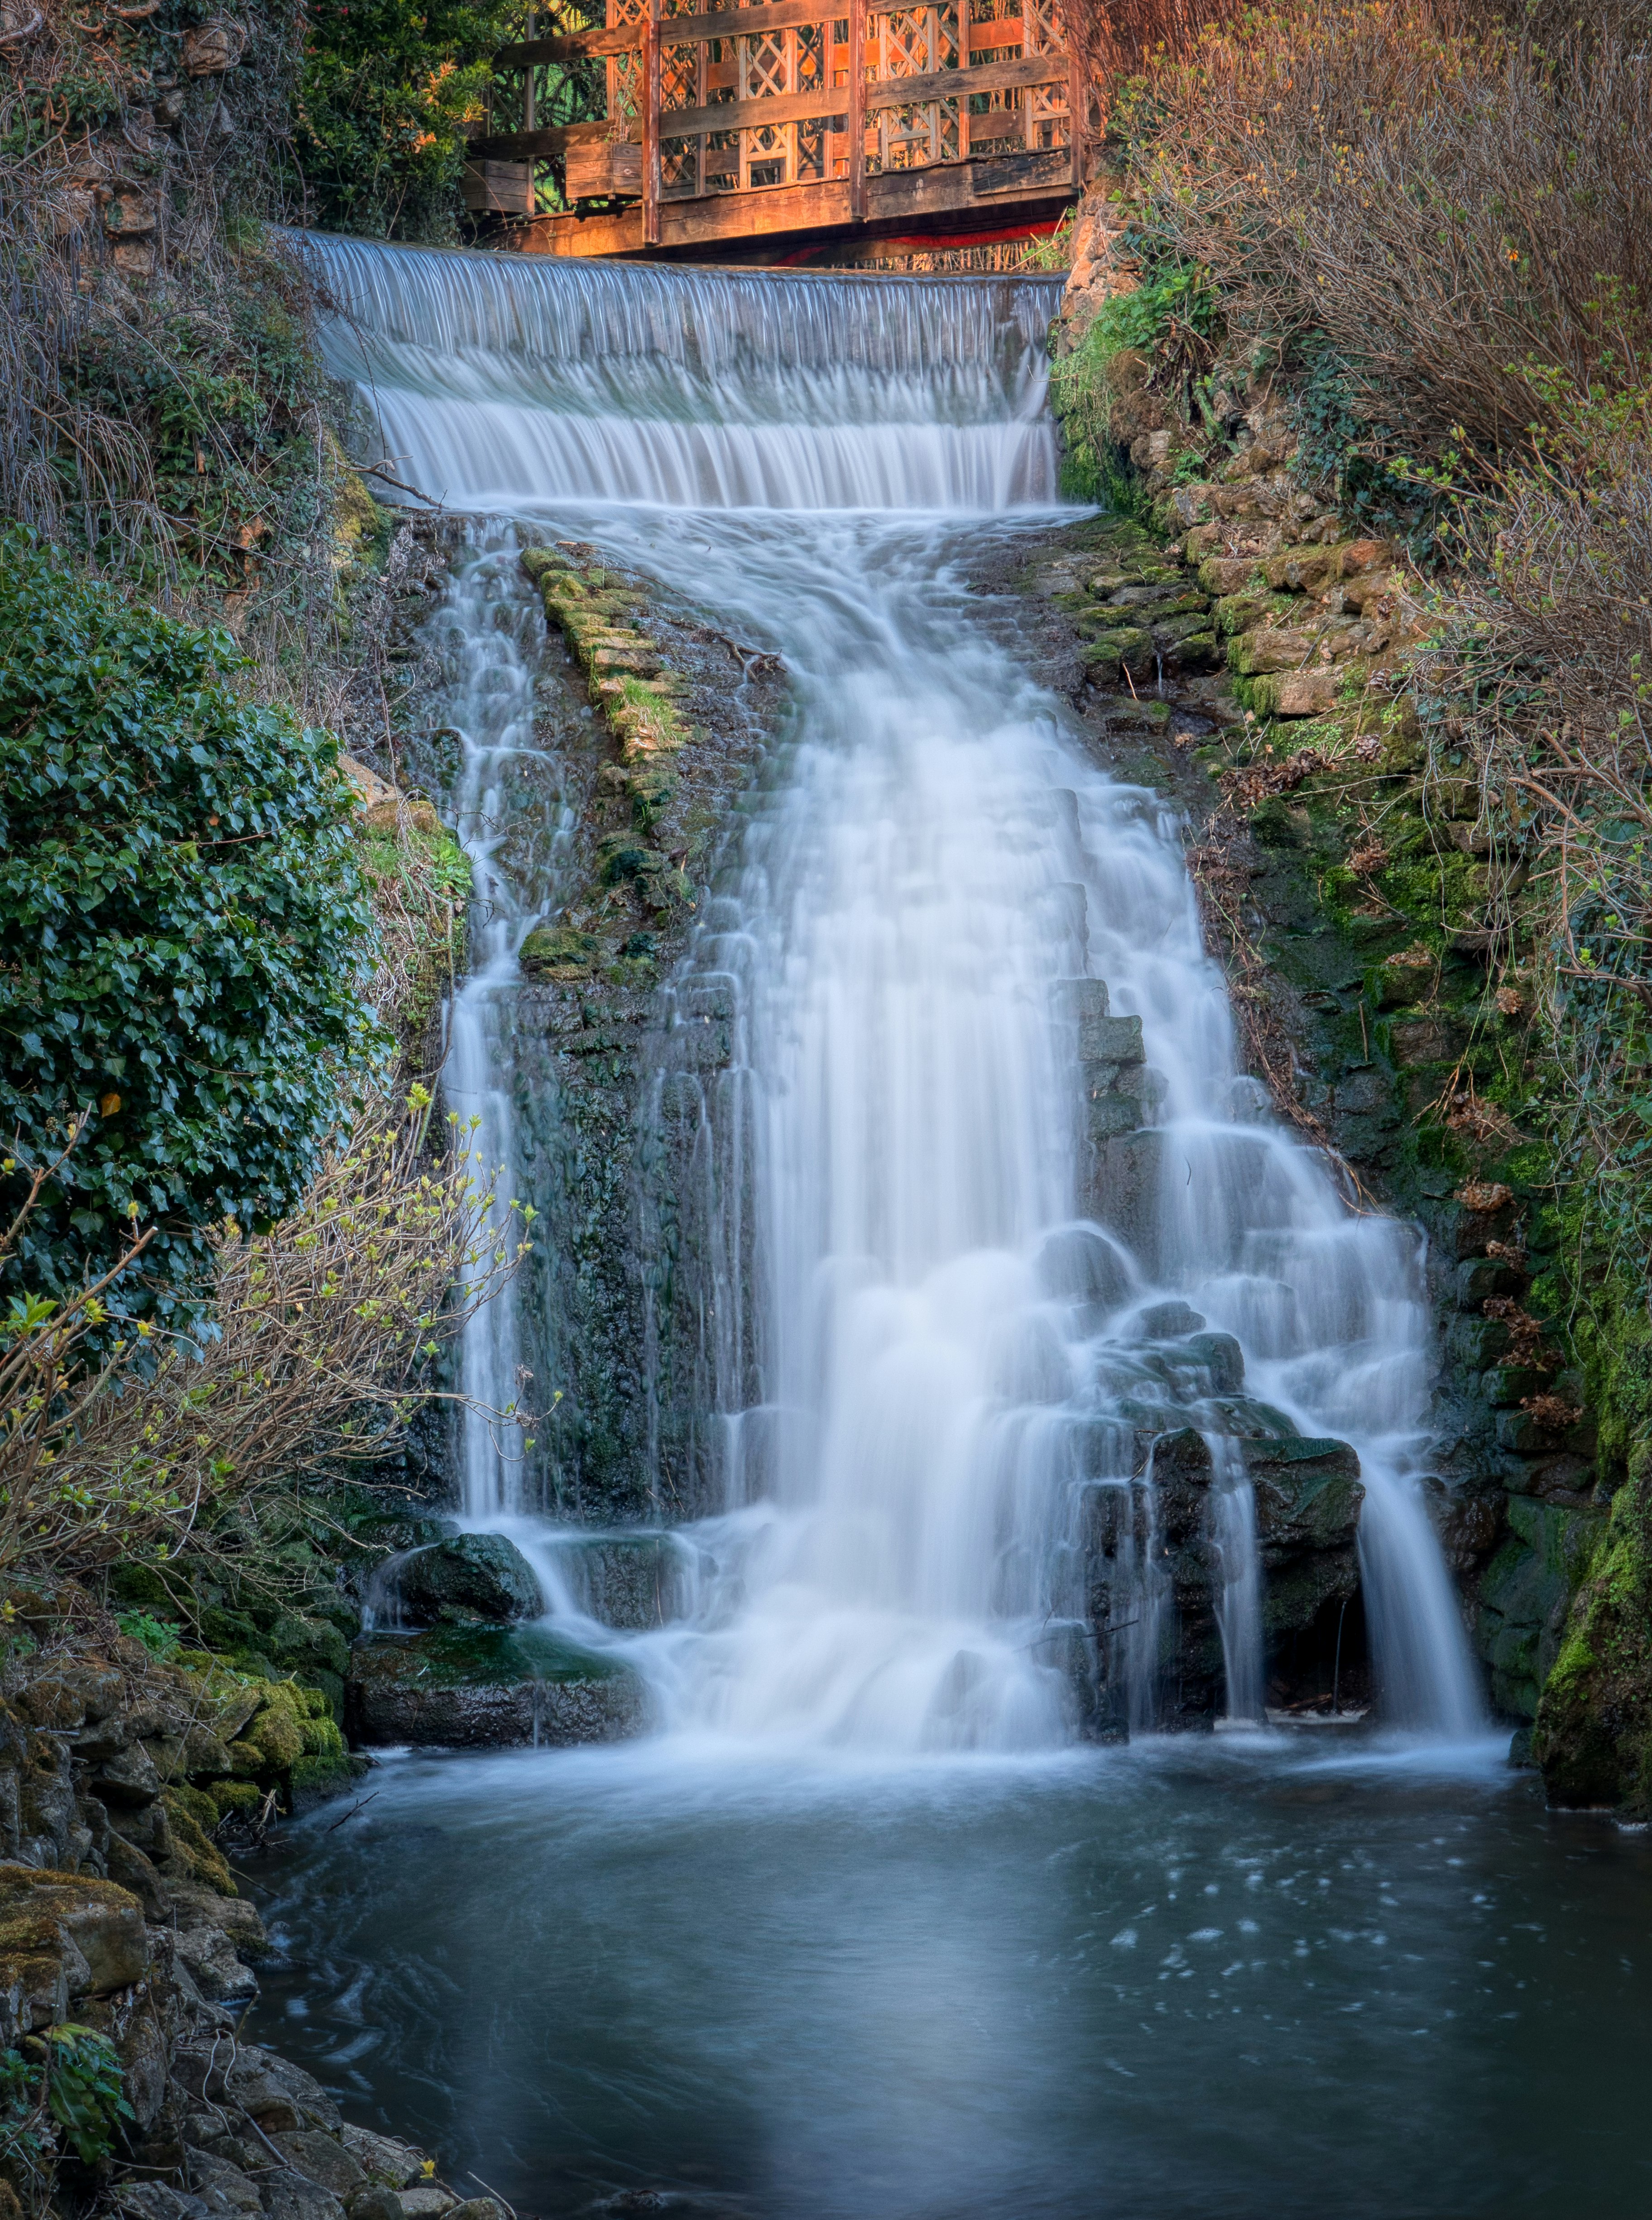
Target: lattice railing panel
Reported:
[(994, 39)]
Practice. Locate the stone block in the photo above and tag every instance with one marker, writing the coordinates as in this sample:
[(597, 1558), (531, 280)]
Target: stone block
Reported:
[(1107, 1114), (323, 2159), (1476, 1342), (1110, 1040), (1477, 1277), (382, 2158), (1119, 1188), (1506, 1384), (464, 1687), (1228, 574)]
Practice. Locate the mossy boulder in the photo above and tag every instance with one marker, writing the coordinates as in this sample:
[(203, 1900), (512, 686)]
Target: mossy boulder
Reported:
[(470, 1687), (1592, 1739), (469, 1579)]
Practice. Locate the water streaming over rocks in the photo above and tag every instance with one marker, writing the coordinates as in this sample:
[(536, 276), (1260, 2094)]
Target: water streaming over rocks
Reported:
[(1027, 1334)]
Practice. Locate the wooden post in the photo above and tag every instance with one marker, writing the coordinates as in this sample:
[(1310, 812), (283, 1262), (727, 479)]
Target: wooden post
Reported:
[(650, 126), (1076, 108), (857, 111), (964, 64), (530, 120)]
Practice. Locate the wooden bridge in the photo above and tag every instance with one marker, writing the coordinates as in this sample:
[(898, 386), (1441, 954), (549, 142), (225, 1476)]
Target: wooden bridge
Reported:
[(762, 133)]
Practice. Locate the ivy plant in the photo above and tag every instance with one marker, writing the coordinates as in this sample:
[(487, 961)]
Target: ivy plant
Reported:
[(187, 933)]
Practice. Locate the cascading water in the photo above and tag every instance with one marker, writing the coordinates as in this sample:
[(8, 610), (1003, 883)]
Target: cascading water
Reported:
[(943, 1396)]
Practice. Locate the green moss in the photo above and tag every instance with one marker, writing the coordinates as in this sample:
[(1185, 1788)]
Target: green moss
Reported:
[(192, 1845)]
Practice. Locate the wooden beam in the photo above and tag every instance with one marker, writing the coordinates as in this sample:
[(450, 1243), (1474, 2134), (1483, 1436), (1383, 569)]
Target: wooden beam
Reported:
[(896, 199), (858, 110), (886, 92), (959, 83), (1075, 118), (749, 115), (537, 146), (722, 23), (583, 46), (651, 127)]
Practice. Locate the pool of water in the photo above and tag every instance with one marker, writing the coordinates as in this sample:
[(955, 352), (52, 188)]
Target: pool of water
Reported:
[(1230, 1974)]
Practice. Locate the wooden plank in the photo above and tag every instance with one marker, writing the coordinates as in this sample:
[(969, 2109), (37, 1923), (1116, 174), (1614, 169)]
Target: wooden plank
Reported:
[(750, 114), (579, 46), (997, 125), (499, 188), (886, 92), (540, 145), (615, 168), (964, 134), (746, 22), (958, 84), (858, 109), (651, 127), (722, 23)]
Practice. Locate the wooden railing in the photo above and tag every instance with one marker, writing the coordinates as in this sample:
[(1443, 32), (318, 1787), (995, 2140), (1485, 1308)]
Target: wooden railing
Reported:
[(785, 93)]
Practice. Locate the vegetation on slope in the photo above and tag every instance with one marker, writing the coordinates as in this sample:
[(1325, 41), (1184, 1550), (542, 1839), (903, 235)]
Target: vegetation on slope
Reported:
[(1426, 230)]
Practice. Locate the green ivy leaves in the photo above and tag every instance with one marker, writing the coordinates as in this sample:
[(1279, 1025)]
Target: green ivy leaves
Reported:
[(186, 927)]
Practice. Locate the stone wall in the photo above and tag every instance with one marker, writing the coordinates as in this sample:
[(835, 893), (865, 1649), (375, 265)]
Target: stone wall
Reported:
[(1347, 881)]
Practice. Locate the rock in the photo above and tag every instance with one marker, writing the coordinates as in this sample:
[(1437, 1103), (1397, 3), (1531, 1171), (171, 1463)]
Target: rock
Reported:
[(1082, 1264), (1168, 1321), (1218, 1358), (128, 1778), (213, 48), (1308, 1495), (381, 2158), (153, 2200), (90, 1930), (477, 1580), (288, 2195), (477, 2207), (221, 2186), (475, 1687), (323, 2159), (375, 2203), (219, 1973), (428, 2201), (1181, 1471), (195, 1906), (628, 1580)]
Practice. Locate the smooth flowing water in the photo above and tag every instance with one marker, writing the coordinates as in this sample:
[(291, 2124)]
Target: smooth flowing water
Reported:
[(858, 1929)]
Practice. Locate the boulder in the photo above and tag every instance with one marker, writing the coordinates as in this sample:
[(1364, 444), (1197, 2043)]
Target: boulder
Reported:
[(475, 1687), (469, 1579), (629, 1580), (1308, 1495), (1082, 1264)]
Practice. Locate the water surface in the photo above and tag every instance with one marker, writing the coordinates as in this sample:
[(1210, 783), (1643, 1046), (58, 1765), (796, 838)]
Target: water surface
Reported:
[(1202, 1975)]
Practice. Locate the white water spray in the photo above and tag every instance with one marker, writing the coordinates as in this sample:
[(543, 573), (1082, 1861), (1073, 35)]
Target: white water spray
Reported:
[(942, 1403)]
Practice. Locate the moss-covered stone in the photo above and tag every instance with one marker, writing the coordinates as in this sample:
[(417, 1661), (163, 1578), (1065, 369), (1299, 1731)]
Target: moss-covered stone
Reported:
[(193, 1846), (1592, 1738), (470, 1686)]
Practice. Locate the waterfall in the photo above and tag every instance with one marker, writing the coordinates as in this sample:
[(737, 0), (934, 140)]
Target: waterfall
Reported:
[(951, 1365), (1239, 1603)]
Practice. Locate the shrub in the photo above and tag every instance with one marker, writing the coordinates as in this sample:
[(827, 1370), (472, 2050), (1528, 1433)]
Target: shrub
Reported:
[(186, 930), (1439, 198), (319, 1349), (387, 89)]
